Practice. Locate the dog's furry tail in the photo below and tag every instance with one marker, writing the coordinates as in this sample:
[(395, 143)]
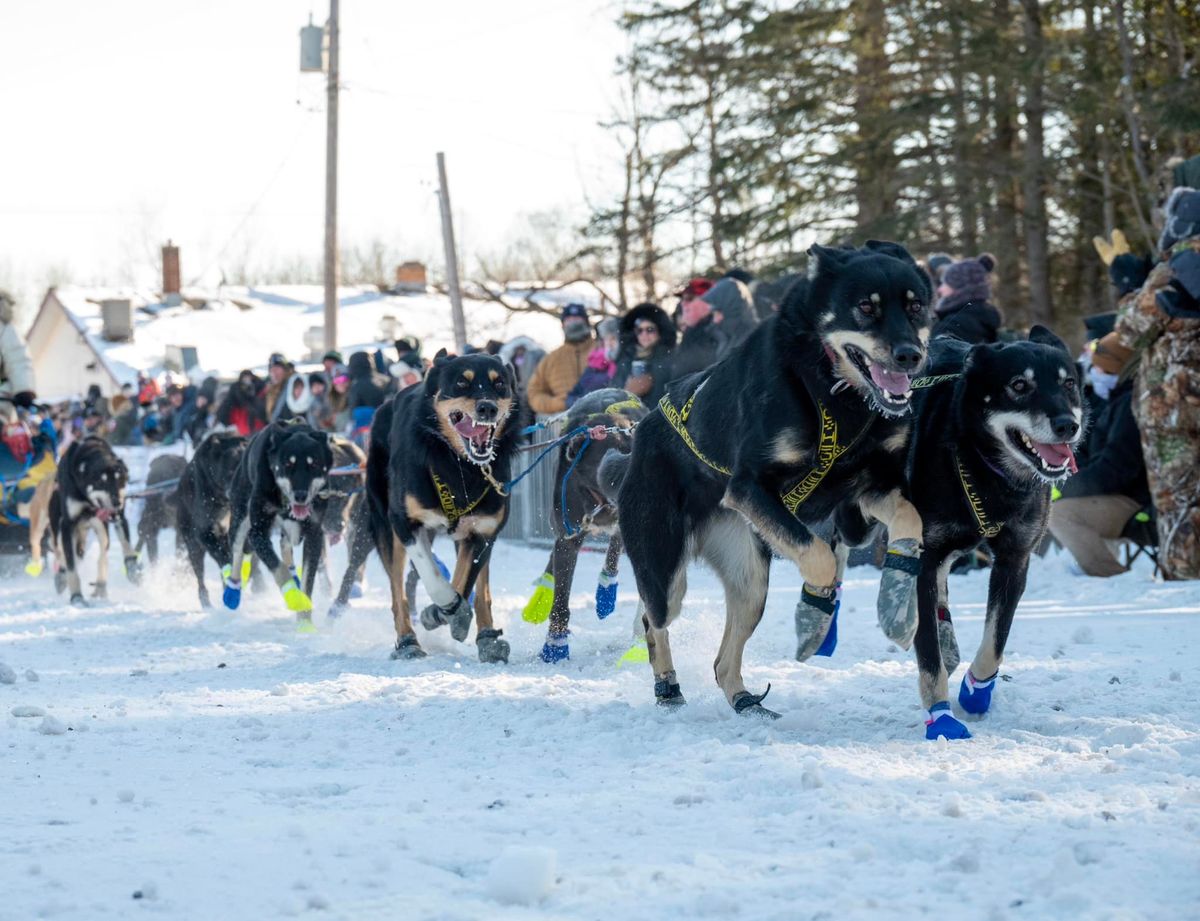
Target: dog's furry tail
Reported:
[(611, 473)]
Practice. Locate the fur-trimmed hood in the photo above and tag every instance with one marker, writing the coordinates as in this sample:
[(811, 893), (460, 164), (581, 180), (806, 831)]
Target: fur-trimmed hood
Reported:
[(656, 315)]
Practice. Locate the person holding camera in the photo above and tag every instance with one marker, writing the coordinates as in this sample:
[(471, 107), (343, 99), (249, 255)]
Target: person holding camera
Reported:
[(644, 359)]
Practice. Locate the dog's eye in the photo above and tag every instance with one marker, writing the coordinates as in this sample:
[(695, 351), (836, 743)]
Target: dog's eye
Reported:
[(915, 307), (867, 308), (1069, 383), (462, 384)]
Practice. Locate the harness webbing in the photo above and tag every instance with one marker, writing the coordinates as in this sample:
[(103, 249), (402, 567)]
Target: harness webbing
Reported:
[(920, 383), (677, 419), (446, 498), (984, 526)]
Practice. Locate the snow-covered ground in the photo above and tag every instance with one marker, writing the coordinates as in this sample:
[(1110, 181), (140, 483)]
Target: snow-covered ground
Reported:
[(210, 765)]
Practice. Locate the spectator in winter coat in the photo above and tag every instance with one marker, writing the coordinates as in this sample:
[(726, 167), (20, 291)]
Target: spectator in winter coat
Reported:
[(561, 370), (331, 360), (733, 311), (524, 355), (16, 368), (644, 361), (1161, 323), (964, 309), (1095, 504), (95, 401), (335, 416), (147, 390), (279, 370), (240, 407), (716, 322), (700, 342), (601, 363), (366, 388)]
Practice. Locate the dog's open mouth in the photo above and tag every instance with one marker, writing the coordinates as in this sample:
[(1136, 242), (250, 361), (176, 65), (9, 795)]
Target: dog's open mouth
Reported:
[(301, 512), (1053, 460), (892, 389), (478, 438)]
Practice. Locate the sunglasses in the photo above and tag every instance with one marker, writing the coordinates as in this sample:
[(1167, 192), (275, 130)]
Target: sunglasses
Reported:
[(646, 328)]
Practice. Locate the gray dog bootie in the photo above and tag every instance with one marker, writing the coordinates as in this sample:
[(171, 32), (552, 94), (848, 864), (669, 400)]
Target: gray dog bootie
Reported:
[(897, 591), (457, 615), (814, 616), (947, 641)]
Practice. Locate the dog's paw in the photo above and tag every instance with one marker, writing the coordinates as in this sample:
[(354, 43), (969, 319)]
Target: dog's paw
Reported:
[(491, 647), (747, 704), (294, 597), (638, 652), (304, 624), (356, 590), (407, 647), (245, 570), (816, 616), (941, 724), (60, 581), (606, 595), (336, 610), (557, 648), (667, 692), (975, 696), (896, 606), (458, 615), (100, 591), (537, 609), (947, 641), (77, 601), (231, 592), (34, 568)]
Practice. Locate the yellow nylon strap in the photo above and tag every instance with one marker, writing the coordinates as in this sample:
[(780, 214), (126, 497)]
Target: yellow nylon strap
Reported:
[(613, 409), (828, 451), (975, 501), (677, 421), (446, 498), (920, 383)]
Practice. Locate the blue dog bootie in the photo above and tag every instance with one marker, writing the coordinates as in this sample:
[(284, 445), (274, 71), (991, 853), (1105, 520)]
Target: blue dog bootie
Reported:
[(830, 642), (975, 696), (556, 648), (231, 594), (940, 723), (606, 594)]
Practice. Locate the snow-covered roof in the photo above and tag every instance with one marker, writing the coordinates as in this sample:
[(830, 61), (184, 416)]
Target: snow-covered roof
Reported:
[(239, 327)]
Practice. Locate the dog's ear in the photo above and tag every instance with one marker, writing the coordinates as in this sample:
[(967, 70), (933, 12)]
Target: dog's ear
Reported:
[(510, 375), (441, 358), (888, 248), (1043, 336), (433, 379), (827, 257)]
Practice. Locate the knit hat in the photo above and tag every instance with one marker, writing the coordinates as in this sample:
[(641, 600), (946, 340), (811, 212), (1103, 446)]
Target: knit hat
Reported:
[(332, 355), (695, 288), (1099, 324), (609, 326), (574, 310), (969, 281), (1109, 355), (1181, 217), (937, 263)]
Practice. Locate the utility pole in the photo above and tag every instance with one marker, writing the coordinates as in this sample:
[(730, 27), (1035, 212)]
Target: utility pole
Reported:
[(331, 152), (456, 307)]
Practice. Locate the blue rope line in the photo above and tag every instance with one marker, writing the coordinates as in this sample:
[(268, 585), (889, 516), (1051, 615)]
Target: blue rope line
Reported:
[(541, 457), (566, 524)]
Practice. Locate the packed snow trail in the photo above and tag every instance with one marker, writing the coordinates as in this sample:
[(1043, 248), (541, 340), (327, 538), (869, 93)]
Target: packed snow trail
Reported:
[(217, 765)]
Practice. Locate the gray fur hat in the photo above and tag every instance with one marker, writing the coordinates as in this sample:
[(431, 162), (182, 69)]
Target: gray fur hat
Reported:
[(1181, 217)]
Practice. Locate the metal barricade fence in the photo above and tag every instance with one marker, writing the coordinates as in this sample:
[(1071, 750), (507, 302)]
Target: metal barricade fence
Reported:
[(532, 501)]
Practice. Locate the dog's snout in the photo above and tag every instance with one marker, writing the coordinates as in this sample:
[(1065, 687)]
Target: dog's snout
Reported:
[(486, 411), (300, 496), (1065, 427), (908, 357)]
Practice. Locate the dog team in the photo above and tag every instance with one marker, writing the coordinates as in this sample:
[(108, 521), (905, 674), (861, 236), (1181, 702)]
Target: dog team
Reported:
[(836, 417)]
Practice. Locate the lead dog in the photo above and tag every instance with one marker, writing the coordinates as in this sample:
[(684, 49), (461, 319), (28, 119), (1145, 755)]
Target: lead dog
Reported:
[(280, 476), (996, 428), (805, 422), (89, 493), (439, 456)]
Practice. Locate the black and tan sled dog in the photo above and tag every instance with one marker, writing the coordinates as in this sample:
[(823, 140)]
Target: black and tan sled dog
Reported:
[(439, 456), (807, 422)]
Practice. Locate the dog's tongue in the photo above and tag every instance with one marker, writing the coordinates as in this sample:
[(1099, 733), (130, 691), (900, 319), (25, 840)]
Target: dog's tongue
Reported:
[(299, 512), (1057, 454), (468, 429), (893, 382)]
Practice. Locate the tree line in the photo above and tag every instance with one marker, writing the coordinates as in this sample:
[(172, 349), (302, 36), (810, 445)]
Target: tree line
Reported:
[(1017, 127)]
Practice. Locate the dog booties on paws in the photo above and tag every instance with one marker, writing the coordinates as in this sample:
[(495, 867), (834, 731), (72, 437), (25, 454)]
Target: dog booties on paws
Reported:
[(294, 597), (940, 723), (556, 648), (537, 609), (896, 606), (133, 569), (975, 696), (458, 615), (407, 647), (816, 619), (231, 593), (491, 647), (34, 568), (606, 595)]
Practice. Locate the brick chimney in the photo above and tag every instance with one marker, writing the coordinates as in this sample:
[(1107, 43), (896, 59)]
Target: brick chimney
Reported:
[(171, 282)]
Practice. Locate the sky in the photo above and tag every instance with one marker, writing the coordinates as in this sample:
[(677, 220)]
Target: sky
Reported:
[(129, 122)]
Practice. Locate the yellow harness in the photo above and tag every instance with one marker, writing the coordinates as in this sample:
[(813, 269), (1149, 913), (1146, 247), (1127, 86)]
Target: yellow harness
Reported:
[(985, 527), (446, 498), (828, 448)]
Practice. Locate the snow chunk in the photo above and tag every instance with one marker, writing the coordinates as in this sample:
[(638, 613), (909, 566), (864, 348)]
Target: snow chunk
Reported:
[(7, 675), (31, 675), (51, 726), (522, 875), (1083, 635), (27, 710)]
